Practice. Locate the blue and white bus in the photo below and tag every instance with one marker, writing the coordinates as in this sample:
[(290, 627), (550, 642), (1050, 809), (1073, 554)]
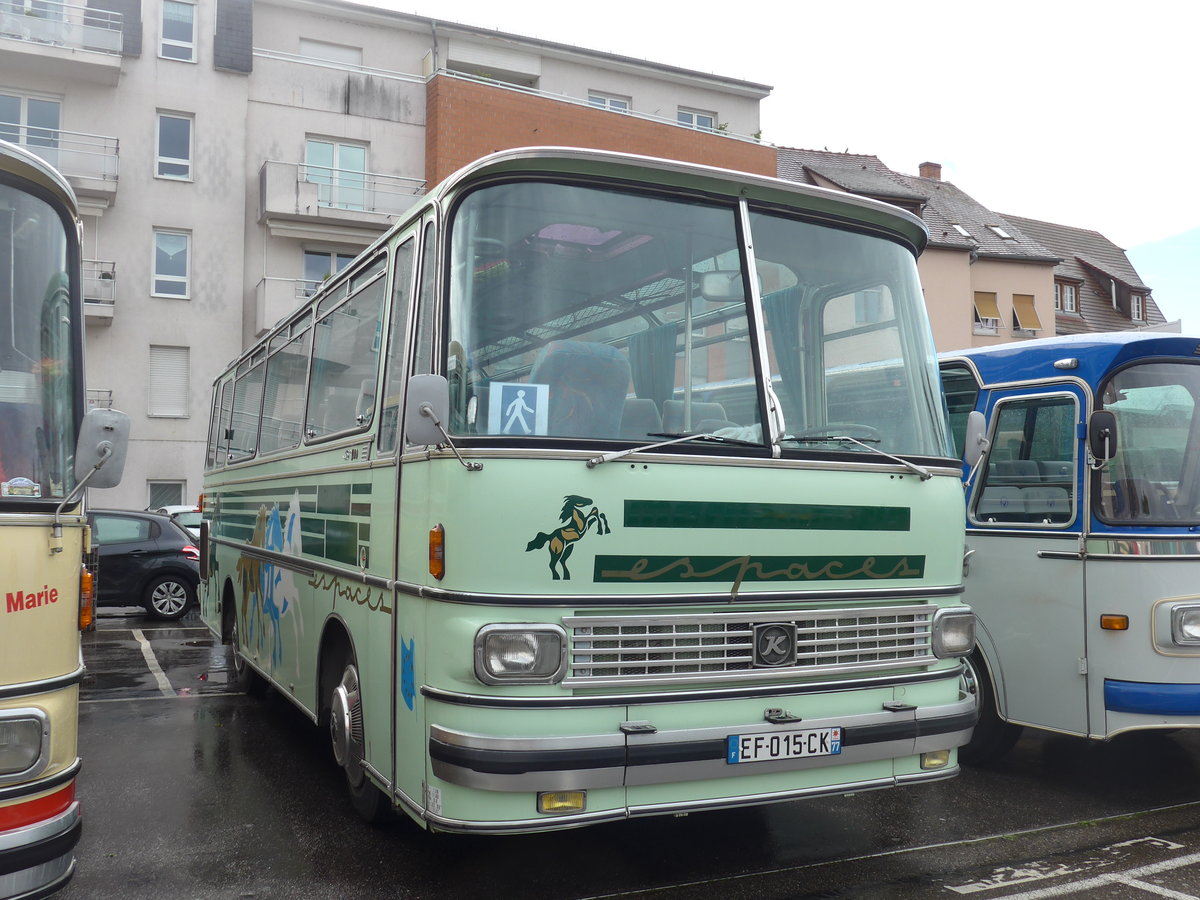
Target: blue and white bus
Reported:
[(1083, 533)]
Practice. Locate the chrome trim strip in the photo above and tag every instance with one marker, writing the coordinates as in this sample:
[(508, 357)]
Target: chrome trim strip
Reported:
[(745, 598), (306, 567), (41, 831), (763, 460), (1142, 547), (45, 686), (58, 779), (739, 693)]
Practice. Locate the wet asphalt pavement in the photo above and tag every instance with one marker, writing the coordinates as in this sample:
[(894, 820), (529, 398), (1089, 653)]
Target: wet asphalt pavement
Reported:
[(193, 791)]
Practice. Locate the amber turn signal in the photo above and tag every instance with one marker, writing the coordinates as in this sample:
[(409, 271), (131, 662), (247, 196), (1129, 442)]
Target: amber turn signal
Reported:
[(437, 552), (1113, 622), (87, 607)]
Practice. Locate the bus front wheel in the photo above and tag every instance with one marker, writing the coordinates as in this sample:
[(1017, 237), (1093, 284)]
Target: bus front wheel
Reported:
[(347, 736), (993, 737)]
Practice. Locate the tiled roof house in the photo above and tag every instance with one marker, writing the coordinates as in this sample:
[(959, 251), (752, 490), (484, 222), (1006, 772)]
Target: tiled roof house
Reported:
[(1096, 288), (989, 277)]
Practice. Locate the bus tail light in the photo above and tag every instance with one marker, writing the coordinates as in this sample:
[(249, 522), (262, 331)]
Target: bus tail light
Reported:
[(87, 599), (953, 632), (437, 552)]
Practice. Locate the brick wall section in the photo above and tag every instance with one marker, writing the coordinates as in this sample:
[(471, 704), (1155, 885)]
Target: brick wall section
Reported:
[(466, 120)]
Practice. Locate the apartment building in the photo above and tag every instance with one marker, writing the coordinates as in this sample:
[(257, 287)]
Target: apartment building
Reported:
[(230, 154)]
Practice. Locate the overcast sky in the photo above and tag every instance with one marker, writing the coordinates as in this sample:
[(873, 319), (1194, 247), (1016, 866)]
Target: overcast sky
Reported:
[(1079, 113)]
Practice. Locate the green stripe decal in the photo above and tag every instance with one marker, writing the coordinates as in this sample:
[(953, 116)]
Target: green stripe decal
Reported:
[(802, 516), (744, 569)]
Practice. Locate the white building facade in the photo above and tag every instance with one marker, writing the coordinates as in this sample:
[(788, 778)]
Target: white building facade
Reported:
[(228, 154)]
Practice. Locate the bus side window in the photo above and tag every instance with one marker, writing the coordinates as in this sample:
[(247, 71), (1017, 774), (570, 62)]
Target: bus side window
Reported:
[(1031, 480), (393, 384)]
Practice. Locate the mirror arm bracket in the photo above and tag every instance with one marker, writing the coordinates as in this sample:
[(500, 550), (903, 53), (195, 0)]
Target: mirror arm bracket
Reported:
[(426, 409)]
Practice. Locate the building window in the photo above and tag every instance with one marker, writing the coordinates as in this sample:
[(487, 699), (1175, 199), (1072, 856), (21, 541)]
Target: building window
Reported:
[(868, 306), (172, 252), (165, 493), (962, 231), (609, 101), (320, 265), (1137, 307), (1066, 297), (1025, 317), (167, 386), (695, 118), (339, 172), (32, 122), (987, 313), (1001, 233), (174, 146), (178, 31)]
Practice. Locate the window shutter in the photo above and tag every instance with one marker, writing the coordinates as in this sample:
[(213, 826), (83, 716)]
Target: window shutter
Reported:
[(168, 389)]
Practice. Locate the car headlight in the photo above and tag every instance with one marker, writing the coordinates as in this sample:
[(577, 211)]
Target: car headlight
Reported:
[(953, 632), (520, 654), (1185, 625), (24, 743)]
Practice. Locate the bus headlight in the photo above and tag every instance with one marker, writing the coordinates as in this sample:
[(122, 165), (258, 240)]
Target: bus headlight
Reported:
[(24, 743), (953, 632), (1185, 625), (520, 654)]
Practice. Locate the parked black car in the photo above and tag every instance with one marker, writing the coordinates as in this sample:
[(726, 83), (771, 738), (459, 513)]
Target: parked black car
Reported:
[(145, 560)]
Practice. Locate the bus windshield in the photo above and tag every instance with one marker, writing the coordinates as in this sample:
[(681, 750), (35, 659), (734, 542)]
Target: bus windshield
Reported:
[(588, 312), (37, 374), (1153, 476)]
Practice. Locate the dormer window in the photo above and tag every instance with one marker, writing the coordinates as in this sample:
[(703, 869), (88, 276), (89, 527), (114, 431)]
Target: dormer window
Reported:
[(1001, 233), (961, 230), (1137, 307)]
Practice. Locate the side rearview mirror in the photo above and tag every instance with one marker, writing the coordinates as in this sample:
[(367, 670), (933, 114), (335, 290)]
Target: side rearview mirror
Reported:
[(100, 450), (1102, 434), (426, 406), (975, 441)]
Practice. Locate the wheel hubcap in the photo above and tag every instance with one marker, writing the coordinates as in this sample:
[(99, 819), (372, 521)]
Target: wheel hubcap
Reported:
[(345, 724), (169, 598)]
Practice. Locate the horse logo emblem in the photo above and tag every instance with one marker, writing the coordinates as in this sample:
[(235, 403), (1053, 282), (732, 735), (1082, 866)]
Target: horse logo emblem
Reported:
[(575, 525)]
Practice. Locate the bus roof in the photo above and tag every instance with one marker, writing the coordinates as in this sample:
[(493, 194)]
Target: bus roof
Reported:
[(1095, 354), (19, 161), (837, 205)]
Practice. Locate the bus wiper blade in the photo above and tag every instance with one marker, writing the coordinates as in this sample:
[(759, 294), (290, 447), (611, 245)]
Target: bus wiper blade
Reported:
[(923, 473), (675, 438)]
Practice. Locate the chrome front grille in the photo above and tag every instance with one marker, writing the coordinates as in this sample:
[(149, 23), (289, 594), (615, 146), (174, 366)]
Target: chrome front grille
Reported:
[(615, 650)]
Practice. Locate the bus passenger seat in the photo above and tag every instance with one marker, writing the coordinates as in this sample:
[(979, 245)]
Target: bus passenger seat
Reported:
[(673, 415), (588, 383), (640, 418)]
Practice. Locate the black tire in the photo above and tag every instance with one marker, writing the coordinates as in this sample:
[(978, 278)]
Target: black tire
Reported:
[(347, 739), (245, 676), (168, 597), (993, 737)]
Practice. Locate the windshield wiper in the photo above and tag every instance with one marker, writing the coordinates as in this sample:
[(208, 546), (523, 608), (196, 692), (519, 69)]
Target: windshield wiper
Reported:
[(674, 438), (923, 473)]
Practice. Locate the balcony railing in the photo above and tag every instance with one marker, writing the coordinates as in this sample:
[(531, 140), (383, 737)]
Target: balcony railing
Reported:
[(71, 25), (93, 157), (304, 190), (99, 281)]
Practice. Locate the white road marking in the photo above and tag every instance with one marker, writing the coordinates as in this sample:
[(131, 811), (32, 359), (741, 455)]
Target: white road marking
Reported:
[(1131, 877), (1037, 870), (164, 685)]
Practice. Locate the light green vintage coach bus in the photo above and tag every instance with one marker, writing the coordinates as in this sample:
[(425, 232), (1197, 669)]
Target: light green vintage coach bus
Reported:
[(601, 486)]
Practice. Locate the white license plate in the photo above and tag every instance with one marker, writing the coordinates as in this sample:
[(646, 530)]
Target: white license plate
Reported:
[(766, 745)]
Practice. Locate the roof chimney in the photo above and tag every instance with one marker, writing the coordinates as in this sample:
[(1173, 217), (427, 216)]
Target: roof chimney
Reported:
[(931, 170)]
